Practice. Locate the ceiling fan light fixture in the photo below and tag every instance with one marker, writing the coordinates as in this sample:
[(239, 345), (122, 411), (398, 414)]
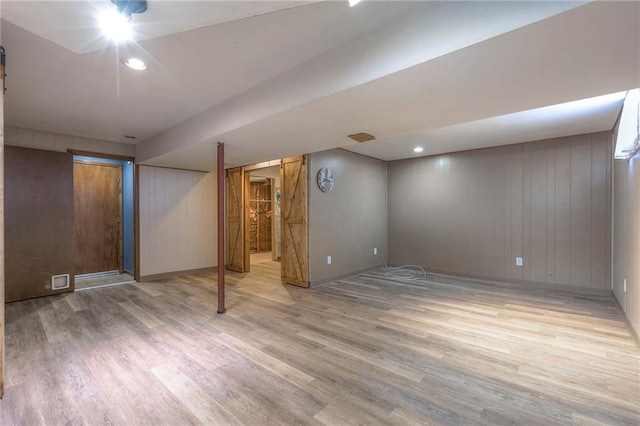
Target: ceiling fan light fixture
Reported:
[(127, 7), (115, 25)]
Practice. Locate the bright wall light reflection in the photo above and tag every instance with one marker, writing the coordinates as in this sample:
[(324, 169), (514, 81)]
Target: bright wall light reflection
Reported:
[(574, 109), (628, 130)]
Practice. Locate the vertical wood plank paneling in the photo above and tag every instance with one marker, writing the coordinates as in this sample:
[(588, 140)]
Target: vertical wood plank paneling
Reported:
[(537, 256), (517, 195), (551, 214), (508, 227), (351, 219), (610, 191), (479, 220), (545, 201), (581, 211), (563, 212), (177, 230), (626, 241), (499, 218), (527, 178), (599, 202)]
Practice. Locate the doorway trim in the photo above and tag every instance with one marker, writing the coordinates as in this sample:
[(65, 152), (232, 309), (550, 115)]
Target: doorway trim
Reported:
[(302, 279), (136, 200)]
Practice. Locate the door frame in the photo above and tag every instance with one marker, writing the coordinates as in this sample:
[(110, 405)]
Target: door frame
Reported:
[(136, 200), (245, 208), (120, 207)]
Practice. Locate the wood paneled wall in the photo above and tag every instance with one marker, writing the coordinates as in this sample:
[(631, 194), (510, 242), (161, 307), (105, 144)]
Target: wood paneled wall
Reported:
[(177, 220), (29, 138), (626, 238), (347, 222), (474, 212), (38, 221)]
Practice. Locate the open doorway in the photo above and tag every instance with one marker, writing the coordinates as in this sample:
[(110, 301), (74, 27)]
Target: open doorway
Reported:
[(287, 208), (104, 221), (264, 215)]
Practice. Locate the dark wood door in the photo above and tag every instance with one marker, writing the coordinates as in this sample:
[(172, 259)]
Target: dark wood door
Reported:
[(98, 216), (295, 232)]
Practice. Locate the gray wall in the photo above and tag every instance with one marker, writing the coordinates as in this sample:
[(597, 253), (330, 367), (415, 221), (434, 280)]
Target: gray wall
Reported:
[(351, 219), (473, 212), (626, 238)]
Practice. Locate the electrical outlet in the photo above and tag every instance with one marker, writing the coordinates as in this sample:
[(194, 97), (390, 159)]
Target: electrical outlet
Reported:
[(375, 251), (625, 285), (328, 260), (519, 261)]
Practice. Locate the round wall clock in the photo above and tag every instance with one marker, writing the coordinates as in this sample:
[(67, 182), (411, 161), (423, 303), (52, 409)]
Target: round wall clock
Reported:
[(325, 179)]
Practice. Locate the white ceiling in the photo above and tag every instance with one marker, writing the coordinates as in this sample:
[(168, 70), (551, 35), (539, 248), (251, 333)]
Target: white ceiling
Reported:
[(289, 80), (69, 24), (93, 95)]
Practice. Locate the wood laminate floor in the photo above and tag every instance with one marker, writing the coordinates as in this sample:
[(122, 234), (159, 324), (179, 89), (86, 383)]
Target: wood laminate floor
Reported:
[(362, 350), (261, 257)]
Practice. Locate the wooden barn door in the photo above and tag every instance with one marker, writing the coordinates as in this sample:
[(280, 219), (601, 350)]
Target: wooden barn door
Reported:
[(237, 192), (295, 241), (97, 191)]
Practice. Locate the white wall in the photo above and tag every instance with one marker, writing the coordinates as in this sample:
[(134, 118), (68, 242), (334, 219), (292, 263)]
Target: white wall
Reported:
[(29, 138), (177, 220)]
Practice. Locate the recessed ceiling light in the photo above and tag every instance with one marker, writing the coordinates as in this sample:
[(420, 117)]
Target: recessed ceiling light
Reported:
[(354, 2), (135, 63), (115, 25), (418, 149)]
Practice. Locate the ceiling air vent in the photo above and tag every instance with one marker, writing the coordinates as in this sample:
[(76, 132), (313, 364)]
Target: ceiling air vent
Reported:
[(58, 282), (362, 137)]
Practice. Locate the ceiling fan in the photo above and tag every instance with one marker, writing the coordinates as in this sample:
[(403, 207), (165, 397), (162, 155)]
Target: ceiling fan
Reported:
[(127, 7)]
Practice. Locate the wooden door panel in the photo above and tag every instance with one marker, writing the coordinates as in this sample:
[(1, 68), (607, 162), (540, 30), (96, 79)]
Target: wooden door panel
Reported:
[(235, 219), (246, 211), (295, 244), (98, 217)]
